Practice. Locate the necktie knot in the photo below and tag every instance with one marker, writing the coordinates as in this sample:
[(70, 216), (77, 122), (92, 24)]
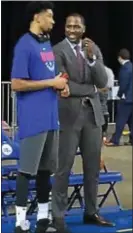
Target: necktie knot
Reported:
[(77, 48)]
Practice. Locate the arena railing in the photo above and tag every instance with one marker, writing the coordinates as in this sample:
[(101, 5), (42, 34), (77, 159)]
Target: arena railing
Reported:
[(8, 102)]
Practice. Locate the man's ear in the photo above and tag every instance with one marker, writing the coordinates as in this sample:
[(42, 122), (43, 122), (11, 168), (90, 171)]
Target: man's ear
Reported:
[(36, 18), (84, 29)]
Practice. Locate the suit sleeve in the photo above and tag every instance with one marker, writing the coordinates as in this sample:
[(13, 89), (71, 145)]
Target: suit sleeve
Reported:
[(81, 90), (123, 82), (98, 54), (76, 89), (99, 75)]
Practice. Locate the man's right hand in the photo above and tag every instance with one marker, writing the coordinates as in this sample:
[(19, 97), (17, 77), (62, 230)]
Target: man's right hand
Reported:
[(59, 82), (66, 92)]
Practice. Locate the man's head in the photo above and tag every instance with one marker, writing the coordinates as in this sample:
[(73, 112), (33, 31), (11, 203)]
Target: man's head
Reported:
[(123, 55), (40, 14), (74, 27)]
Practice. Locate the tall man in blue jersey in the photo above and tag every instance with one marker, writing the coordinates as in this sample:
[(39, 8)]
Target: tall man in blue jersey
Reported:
[(34, 80)]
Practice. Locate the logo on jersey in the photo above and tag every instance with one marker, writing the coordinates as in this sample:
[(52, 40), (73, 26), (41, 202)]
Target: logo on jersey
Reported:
[(48, 59), (6, 149)]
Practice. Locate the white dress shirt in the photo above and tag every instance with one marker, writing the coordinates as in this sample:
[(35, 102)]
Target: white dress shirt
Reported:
[(72, 45), (124, 61), (110, 76)]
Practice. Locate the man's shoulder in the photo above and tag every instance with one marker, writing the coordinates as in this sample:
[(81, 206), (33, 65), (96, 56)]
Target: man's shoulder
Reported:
[(23, 41), (127, 66), (59, 45)]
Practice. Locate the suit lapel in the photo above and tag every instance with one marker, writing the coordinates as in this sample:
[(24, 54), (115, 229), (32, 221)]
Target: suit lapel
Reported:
[(85, 66), (72, 57), (70, 52)]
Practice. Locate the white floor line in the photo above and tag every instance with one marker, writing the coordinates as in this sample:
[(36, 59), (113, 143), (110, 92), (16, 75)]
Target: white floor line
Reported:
[(125, 230)]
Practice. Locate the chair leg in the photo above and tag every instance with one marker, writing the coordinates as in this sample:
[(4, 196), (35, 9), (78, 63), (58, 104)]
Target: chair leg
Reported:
[(4, 205), (32, 206), (75, 195), (110, 189), (116, 198)]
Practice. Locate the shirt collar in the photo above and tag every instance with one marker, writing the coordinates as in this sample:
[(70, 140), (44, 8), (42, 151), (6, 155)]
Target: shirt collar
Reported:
[(74, 44), (125, 61)]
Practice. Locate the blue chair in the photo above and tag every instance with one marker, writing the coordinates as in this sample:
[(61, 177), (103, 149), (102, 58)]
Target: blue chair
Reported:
[(9, 160), (108, 178), (10, 164), (10, 153)]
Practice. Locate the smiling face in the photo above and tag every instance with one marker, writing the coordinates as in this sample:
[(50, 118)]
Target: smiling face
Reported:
[(74, 28)]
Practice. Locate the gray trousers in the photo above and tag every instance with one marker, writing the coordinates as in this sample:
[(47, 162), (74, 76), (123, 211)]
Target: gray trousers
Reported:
[(85, 134)]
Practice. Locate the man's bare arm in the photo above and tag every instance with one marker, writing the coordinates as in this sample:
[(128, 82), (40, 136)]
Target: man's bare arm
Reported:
[(29, 85)]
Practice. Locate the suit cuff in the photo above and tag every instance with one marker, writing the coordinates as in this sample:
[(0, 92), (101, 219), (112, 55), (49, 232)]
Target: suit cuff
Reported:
[(92, 61)]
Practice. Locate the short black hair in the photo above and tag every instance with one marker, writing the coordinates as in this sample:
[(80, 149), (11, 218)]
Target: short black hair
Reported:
[(76, 15), (124, 54), (35, 7)]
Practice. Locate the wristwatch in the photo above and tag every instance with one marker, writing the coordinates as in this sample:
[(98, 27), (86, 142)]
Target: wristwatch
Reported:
[(92, 59)]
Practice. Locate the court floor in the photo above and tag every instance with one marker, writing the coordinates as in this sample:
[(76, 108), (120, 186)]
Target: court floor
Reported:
[(116, 159), (122, 219)]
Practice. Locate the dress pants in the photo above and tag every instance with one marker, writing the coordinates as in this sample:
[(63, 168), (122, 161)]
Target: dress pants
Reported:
[(124, 116), (88, 136)]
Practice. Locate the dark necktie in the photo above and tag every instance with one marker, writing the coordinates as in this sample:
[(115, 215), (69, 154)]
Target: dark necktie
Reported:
[(80, 61)]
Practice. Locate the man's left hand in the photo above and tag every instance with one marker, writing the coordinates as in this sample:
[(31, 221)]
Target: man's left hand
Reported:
[(66, 92), (89, 44)]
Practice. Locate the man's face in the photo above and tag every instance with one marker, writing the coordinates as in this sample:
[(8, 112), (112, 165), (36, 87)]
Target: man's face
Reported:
[(45, 20), (120, 60), (74, 29)]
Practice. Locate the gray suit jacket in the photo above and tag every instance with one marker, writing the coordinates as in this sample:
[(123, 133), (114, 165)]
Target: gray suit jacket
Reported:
[(69, 107)]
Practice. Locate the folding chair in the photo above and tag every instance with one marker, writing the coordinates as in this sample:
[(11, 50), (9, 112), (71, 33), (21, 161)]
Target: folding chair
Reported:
[(10, 155), (76, 182), (109, 178)]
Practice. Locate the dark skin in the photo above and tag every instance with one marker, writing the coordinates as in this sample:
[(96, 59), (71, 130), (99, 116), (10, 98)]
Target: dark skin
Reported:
[(42, 22), (74, 31)]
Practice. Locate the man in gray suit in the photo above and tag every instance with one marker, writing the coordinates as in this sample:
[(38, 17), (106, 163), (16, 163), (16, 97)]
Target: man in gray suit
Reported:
[(81, 119)]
